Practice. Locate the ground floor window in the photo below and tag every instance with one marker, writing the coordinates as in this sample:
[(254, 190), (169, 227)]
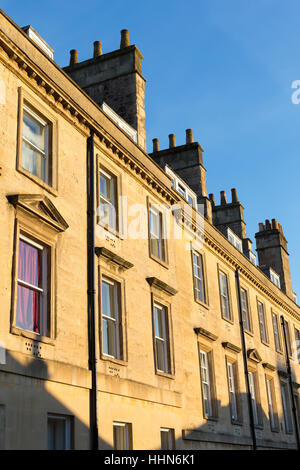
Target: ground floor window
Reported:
[(122, 436), (167, 439), (59, 432)]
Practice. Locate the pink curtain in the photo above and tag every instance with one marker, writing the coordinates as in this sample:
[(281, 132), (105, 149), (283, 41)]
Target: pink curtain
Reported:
[(28, 317)]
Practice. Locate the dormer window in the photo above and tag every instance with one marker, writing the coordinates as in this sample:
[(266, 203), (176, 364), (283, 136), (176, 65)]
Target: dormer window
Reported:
[(234, 239), (275, 278), (181, 187), (252, 257)]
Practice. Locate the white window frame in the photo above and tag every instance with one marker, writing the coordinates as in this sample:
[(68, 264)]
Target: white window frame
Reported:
[(232, 390), (68, 423), (277, 339), (224, 294), (170, 438), (234, 240), (245, 310), (127, 429), (262, 322), (206, 384), (116, 321), (164, 340), (157, 233), (45, 154), (199, 277), (252, 258), (271, 405), (275, 278), (181, 187), (112, 204), (252, 385), (44, 300), (286, 407)]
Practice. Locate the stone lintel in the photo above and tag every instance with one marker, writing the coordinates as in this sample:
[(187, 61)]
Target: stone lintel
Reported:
[(231, 347), (111, 256), (207, 334), (155, 282)]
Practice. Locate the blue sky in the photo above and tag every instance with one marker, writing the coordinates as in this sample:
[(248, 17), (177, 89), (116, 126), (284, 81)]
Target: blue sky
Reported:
[(223, 68)]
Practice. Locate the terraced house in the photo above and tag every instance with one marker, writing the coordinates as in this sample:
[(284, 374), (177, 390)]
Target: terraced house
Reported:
[(135, 313)]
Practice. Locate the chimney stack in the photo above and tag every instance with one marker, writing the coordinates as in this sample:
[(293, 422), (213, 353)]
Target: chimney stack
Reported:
[(186, 160), (116, 79), (97, 49), (271, 247), (124, 39), (73, 57), (229, 215)]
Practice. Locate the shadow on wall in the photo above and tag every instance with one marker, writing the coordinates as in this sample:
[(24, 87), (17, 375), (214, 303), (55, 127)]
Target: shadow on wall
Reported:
[(26, 402), (218, 433)]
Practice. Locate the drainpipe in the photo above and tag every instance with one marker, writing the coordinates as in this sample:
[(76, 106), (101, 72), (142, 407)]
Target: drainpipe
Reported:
[(289, 372), (250, 407), (91, 291)]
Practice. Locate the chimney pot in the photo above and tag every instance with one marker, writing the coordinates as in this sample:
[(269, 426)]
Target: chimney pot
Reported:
[(73, 57), (189, 136), (172, 143), (212, 198), (261, 227), (97, 49), (268, 225), (124, 39), (234, 196), (155, 145), (275, 224), (223, 198)]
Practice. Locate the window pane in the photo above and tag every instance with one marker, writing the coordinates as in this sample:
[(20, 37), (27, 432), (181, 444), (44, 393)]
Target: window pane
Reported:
[(109, 337), (276, 333), (167, 439), (28, 309), (205, 379), (108, 300), (232, 391), (111, 319), (270, 403), (33, 161), (121, 437), (253, 396), (35, 146), (157, 245), (285, 406), (198, 277), (245, 310), (29, 269), (224, 295), (32, 289), (108, 204), (33, 131), (159, 320), (161, 338), (105, 189), (59, 434)]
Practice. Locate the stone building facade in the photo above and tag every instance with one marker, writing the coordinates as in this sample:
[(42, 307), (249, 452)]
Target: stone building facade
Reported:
[(132, 331)]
